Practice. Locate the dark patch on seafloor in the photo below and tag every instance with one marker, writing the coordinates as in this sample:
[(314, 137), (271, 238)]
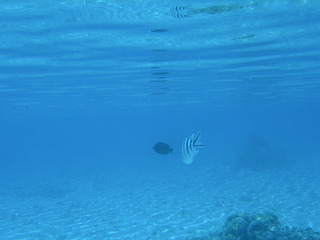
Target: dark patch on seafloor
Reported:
[(262, 226)]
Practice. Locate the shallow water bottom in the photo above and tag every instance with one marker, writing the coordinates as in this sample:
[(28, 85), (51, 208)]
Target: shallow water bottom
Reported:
[(154, 204)]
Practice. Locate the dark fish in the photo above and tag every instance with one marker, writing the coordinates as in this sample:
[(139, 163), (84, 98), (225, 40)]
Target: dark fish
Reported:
[(162, 148)]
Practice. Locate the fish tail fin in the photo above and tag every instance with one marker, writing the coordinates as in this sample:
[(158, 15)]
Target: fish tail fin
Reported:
[(196, 140)]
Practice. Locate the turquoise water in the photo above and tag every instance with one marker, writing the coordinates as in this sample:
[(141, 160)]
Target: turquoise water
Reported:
[(87, 87)]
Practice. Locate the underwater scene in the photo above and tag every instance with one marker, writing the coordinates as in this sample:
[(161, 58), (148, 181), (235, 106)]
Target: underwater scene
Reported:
[(160, 120)]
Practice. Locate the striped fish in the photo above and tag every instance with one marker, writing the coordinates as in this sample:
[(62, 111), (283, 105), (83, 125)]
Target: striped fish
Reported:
[(187, 11), (190, 148), (180, 12)]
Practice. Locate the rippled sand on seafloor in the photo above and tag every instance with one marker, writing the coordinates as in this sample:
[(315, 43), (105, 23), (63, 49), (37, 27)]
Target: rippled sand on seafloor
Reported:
[(174, 204)]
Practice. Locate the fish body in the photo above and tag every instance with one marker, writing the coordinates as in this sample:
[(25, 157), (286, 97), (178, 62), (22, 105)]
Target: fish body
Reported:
[(190, 148), (162, 148)]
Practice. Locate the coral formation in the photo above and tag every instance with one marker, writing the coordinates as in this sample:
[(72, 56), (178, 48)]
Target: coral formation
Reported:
[(262, 226)]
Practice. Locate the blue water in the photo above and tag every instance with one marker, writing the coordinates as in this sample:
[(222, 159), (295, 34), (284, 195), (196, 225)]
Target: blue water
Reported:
[(87, 87)]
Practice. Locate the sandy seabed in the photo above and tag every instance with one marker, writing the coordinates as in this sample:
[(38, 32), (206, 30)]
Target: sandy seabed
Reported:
[(155, 204)]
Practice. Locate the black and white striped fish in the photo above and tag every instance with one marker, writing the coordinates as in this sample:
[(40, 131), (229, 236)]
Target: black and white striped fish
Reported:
[(187, 11), (190, 148), (180, 12)]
